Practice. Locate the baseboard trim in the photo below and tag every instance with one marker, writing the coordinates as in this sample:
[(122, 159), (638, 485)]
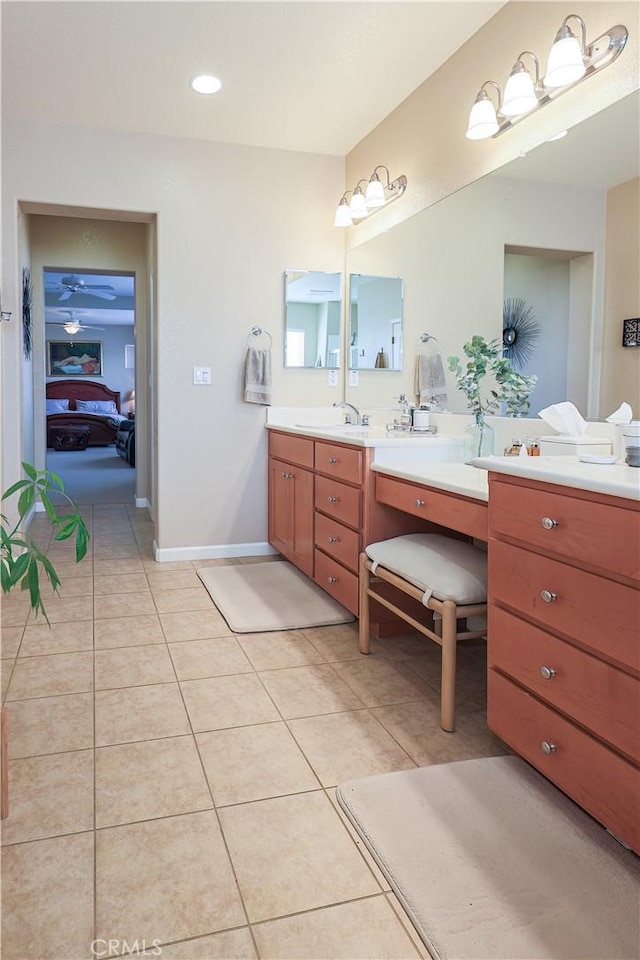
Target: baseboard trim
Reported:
[(142, 502), (223, 551)]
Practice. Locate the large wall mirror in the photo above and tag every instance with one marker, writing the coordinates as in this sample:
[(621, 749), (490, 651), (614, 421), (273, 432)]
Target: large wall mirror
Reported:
[(313, 314), (542, 228), (375, 322)]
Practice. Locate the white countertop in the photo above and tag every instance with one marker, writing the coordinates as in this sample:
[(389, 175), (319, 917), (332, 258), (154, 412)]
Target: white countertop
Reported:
[(617, 480), (368, 436), (459, 478)]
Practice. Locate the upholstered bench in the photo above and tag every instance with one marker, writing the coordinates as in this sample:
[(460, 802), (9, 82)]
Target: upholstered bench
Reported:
[(448, 576)]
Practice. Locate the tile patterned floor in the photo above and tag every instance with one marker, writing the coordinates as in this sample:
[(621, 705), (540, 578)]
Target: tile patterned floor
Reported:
[(171, 782)]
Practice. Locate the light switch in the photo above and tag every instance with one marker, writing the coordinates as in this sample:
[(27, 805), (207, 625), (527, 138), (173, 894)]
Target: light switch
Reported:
[(353, 378), (333, 378), (202, 376)]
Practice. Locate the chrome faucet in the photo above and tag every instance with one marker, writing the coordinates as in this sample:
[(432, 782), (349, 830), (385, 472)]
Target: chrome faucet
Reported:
[(353, 414)]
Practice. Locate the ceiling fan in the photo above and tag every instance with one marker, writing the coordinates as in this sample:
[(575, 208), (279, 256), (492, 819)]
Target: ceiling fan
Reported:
[(72, 326), (72, 284)]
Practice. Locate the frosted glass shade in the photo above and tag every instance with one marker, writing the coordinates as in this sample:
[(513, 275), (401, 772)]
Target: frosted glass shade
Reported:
[(375, 194), (519, 95), (358, 206), (343, 216), (565, 64), (483, 122)]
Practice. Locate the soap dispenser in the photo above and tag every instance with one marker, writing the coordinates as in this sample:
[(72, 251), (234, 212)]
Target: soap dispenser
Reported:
[(404, 414)]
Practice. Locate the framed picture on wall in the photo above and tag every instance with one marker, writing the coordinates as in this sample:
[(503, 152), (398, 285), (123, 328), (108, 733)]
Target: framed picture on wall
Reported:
[(74, 359), (631, 333), (129, 356)]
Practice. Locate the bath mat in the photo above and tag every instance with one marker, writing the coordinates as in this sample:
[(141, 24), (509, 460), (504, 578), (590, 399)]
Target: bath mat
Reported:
[(260, 597), (492, 862)]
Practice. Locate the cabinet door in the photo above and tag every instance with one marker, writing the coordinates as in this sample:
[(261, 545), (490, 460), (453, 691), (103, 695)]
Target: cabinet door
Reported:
[(301, 519), (279, 505)]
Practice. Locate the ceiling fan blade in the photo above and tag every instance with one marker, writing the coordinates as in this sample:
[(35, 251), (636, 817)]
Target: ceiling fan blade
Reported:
[(65, 295), (98, 286), (101, 294)]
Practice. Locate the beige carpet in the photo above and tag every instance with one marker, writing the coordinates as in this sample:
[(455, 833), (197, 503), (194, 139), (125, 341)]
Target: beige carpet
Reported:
[(494, 863), (259, 597)]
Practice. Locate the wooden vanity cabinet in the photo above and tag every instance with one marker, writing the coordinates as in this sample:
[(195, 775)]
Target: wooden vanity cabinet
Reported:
[(563, 643), (291, 500)]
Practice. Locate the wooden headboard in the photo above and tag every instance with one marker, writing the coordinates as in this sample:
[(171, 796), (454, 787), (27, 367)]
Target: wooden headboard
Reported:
[(81, 390)]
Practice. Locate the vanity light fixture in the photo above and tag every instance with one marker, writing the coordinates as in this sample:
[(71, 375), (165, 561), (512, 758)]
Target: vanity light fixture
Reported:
[(377, 195), (570, 62)]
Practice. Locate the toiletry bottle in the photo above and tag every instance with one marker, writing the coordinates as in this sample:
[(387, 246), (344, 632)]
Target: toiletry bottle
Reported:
[(404, 416)]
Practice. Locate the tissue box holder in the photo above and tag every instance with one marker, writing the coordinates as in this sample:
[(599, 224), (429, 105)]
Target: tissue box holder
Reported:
[(561, 445)]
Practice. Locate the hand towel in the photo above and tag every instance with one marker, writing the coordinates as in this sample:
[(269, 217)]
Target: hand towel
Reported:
[(430, 386), (565, 418), (257, 376)]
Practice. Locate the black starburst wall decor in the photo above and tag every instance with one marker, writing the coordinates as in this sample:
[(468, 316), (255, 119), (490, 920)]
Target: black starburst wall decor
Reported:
[(27, 300), (520, 330)]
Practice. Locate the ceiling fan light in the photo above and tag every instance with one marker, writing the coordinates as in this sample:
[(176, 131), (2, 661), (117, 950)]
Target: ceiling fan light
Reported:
[(375, 193), (566, 61), (483, 121), (205, 83), (519, 93)]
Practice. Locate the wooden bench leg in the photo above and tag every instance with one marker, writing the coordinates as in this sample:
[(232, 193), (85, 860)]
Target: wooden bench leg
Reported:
[(363, 629), (4, 767), (448, 674)]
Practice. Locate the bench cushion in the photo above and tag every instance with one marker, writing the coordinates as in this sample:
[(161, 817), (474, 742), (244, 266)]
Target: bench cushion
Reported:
[(445, 568)]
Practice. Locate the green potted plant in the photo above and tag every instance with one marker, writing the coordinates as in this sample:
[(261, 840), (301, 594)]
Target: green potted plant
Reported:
[(508, 387), (21, 560)]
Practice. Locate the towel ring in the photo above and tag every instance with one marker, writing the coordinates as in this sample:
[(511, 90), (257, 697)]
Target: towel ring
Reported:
[(257, 332), (425, 337)]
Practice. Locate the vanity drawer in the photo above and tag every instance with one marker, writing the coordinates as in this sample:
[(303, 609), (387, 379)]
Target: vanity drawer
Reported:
[(335, 460), (602, 782), (293, 449), (598, 534), (337, 580), (595, 694), (598, 613), (340, 542), (446, 509), (339, 501)]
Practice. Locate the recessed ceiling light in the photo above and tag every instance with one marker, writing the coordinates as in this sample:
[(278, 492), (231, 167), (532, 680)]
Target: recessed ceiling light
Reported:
[(205, 83)]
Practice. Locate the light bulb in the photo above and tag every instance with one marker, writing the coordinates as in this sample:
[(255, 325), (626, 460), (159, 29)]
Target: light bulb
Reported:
[(343, 216), (483, 122), (358, 205), (566, 62), (519, 93), (205, 83), (375, 192)]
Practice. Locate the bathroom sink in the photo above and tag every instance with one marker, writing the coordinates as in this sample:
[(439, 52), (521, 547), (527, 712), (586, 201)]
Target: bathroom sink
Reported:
[(337, 427)]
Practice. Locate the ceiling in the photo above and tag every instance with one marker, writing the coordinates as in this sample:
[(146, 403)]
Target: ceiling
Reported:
[(62, 302), (313, 77)]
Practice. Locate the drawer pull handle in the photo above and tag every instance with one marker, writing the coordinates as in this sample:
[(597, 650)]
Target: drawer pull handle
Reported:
[(419, 503), (332, 499), (548, 523), (548, 596), (548, 673), (333, 539), (332, 460), (548, 748), (332, 579)]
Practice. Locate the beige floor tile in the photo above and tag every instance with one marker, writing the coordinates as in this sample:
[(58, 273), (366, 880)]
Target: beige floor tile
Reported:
[(345, 746), (179, 601), (340, 642), (292, 854), (281, 648), (233, 701), (128, 631), (360, 930), (165, 879), (49, 796), (14, 614), (61, 610), (148, 780), (50, 725), (58, 638), (47, 899), (107, 585), (139, 713), (70, 587), (139, 604), (168, 566), (194, 625), (217, 562), (10, 638), (480, 741), (111, 568), (308, 691), (49, 675), (195, 659), (6, 669), (409, 645), (399, 910), (357, 839), (70, 570), (380, 681), (173, 580), (133, 666), (124, 549), (253, 763), (416, 727), (230, 945)]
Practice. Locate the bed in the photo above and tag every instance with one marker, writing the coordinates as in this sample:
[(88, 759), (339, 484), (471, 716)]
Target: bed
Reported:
[(102, 426)]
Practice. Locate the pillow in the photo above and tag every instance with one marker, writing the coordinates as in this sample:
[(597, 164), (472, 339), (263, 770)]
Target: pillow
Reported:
[(96, 406), (57, 406)]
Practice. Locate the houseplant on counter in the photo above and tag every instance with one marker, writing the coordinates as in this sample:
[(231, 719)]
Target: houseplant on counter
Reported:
[(508, 387)]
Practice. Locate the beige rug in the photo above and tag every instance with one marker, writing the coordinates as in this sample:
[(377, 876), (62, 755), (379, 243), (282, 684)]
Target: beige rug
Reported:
[(259, 597), (494, 863)]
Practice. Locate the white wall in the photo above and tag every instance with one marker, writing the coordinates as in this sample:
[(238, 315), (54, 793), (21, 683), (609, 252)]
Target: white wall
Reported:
[(223, 243)]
